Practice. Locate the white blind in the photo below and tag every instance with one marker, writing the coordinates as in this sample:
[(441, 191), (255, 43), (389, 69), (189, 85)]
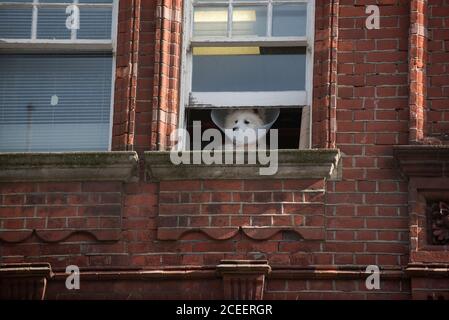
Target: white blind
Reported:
[(55, 97), (55, 102)]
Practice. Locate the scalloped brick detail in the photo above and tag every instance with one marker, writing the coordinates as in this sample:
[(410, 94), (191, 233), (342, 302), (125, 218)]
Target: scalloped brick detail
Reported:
[(269, 232), (213, 233), (52, 236), (255, 233)]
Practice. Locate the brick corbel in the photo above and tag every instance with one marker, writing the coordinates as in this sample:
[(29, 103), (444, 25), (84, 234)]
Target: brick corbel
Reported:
[(243, 279), (26, 281), (423, 160)]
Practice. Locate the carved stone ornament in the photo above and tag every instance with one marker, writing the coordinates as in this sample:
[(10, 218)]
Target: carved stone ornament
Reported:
[(439, 222)]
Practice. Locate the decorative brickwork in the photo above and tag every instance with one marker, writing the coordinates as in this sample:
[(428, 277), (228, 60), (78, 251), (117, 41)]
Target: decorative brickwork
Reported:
[(258, 209), (325, 74), (417, 68), (165, 105), (56, 212), (127, 64), (437, 123)]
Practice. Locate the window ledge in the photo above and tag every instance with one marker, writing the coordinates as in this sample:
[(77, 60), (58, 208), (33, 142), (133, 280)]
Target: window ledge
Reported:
[(70, 166), (292, 164)]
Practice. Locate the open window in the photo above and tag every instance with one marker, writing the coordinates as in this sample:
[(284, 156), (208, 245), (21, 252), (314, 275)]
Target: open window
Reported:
[(56, 74), (255, 54)]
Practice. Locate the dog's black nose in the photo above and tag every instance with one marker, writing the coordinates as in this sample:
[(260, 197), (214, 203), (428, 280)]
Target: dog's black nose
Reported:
[(235, 129)]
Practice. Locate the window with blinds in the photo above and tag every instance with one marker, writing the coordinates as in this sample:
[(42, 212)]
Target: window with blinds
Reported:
[(56, 74)]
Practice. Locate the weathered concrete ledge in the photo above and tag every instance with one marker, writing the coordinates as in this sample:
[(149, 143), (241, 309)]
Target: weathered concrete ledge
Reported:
[(68, 166), (292, 164)]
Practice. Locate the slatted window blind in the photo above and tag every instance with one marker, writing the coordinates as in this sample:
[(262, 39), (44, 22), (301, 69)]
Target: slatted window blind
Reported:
[(55, 82)]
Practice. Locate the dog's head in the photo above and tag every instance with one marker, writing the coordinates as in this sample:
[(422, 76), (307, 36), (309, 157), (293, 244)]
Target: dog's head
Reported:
[(244, 124), (241, 120)]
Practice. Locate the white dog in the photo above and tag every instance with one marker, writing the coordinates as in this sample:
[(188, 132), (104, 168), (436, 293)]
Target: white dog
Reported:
[(244, 124)]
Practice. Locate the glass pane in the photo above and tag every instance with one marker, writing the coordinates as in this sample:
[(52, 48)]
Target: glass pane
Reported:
[(249, 21), (202, 1), (70, 1), (289, 20), (21, 1), (95, 1), (248, 69), (15, 23), (55, 1), (95, 23), (51, 24), (55, 102), (212, 21)]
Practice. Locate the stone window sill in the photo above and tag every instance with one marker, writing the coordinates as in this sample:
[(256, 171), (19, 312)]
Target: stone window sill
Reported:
[(292, 164), (68, 166)]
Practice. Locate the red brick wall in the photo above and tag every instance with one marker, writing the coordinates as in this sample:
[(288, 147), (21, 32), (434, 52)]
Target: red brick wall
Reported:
[(67, 223), (430, 289), (367, 211), (361, 106), (301, 289)]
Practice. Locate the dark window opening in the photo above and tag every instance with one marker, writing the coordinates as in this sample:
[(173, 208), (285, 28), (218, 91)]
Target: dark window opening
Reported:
[(288, 125)]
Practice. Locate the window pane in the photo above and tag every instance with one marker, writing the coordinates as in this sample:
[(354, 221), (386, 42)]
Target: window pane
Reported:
[(15, 23), (95, 23), (66, 1), (95, 1), (55, 1), (289, 20), (249, 21), (262, 69), (55, 102), (203, 1), (51, 24), (211, 21)]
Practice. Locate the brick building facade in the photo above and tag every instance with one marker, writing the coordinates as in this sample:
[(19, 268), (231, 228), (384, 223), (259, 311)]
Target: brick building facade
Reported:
[(372, 189)]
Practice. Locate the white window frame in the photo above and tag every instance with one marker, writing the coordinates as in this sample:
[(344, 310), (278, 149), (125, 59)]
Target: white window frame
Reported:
[(282, 99), (72, 45)]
